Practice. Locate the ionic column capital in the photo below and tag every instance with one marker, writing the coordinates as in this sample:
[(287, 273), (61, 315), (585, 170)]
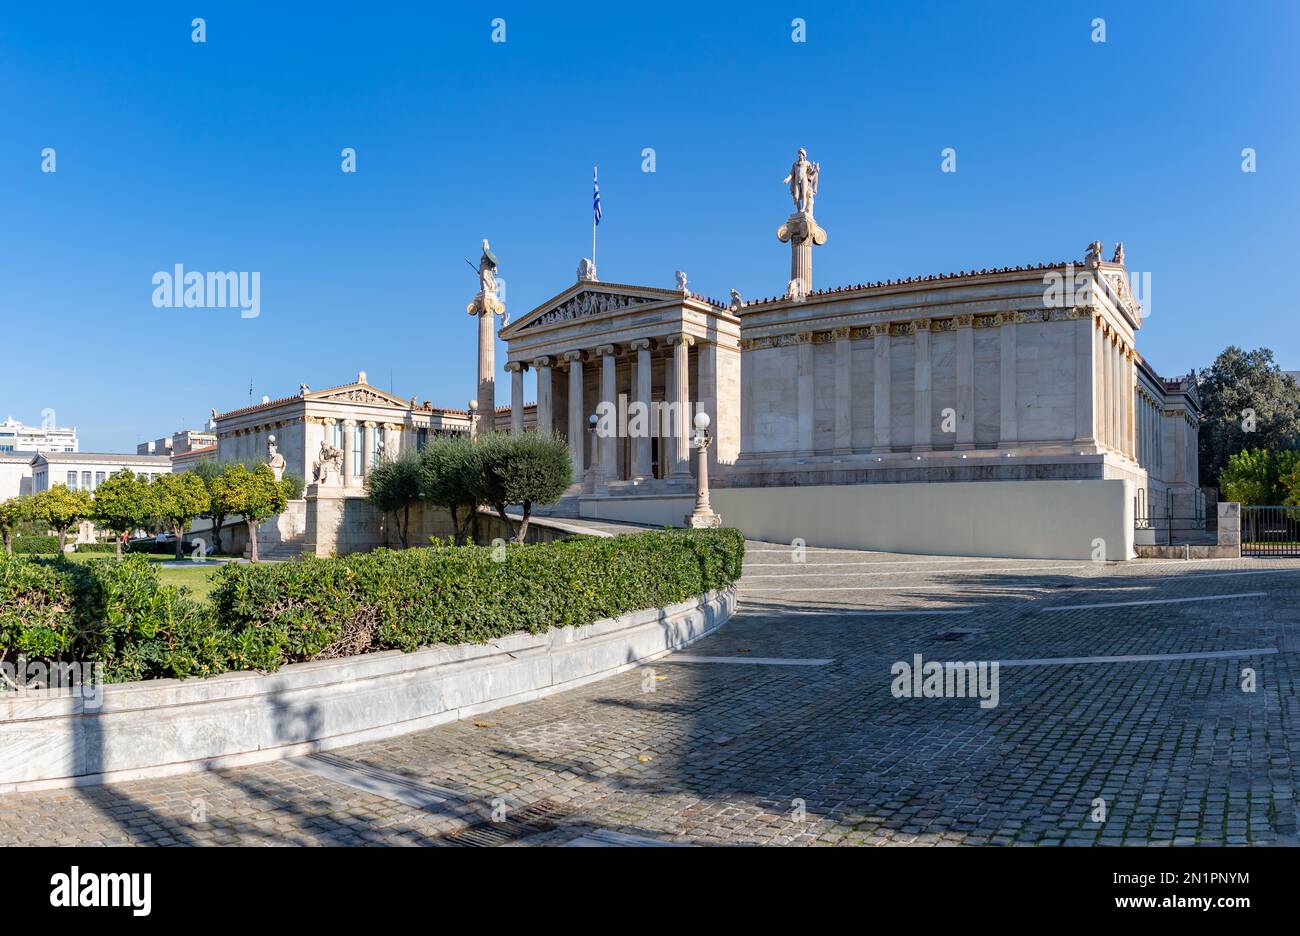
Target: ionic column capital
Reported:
[(685, 339), (605, 350), (516, 367), (640, 344), (541, 362), (574, 356)]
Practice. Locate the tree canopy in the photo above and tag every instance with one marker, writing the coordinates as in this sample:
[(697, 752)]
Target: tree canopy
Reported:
[(13, 513), (525, 469), (1246, 402), (255, 495), (178, 499), (393, 486), (123, 502)]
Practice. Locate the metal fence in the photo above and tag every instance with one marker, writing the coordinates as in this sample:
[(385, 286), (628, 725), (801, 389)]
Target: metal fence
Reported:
[(1270, 531), (1163, 527)]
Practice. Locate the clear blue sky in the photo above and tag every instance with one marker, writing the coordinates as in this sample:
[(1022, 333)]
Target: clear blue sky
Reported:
[(225, 156)]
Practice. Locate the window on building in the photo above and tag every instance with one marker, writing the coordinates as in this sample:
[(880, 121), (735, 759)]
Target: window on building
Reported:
[(99, 478), (72, 480), (358, 450), (421, 439), (85, 480), (336, 435)]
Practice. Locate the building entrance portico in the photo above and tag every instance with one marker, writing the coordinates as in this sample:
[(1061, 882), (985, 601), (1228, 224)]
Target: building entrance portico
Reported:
[(641, 359)]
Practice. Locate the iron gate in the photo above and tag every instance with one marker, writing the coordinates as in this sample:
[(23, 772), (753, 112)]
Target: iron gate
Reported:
[(1270, 531), (1156, 527)]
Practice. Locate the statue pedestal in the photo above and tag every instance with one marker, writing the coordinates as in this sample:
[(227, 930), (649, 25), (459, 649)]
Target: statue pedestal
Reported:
[(324, 522)]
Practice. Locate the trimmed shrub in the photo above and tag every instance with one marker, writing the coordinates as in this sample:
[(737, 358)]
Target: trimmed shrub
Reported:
[(118, 613), (319, 608), (96, 548), (36, 609), (40, 545), (110, 612)]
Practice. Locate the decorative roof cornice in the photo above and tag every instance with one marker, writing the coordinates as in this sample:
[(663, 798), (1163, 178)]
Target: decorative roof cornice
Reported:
[(913, 281)]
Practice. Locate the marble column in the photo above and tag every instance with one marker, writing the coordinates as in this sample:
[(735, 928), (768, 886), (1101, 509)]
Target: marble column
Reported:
[(516, 369), (1009, 431), (486, 394), (805, 393), (609, 395), (1083, 390), (349, 444), (545, 398), (642, 462), (1098, 381), (706, 394), (368, 449), (1114, 402), (680, 402), (965, 340), (577, 413), (880, 432), (843, 391), (1130, 404), (922, 388)]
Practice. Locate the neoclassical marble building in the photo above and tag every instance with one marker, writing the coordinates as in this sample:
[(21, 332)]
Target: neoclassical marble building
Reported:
[(1011, 374), (963, 377), (364, 422)]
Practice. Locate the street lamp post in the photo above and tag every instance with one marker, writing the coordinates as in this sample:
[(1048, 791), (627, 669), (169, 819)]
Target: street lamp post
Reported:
[(702, 517), (596, 469), (473, 418)]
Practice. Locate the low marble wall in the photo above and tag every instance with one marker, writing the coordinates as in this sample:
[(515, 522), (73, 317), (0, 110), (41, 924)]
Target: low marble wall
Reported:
[(1009, 519), (52, 739)]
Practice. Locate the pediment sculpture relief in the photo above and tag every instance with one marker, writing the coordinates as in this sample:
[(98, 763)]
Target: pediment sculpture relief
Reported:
[(587, 303)]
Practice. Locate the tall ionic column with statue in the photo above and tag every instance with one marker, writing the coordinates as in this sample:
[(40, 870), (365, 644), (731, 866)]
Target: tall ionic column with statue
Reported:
[(487, 305), (801, 230)]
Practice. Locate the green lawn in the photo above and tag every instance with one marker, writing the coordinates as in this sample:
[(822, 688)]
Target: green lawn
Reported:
[(197, 576)]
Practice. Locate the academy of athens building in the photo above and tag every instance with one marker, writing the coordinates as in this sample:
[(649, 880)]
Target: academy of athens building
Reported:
[(1018, 391)]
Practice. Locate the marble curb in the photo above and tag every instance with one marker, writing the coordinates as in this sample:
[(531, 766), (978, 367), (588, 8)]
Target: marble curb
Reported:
[(53, 739)]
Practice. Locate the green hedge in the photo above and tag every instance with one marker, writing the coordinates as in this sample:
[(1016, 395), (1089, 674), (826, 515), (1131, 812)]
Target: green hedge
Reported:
[(115, 613), (288, 612), (39, 545), (263, 616), (96, 548)]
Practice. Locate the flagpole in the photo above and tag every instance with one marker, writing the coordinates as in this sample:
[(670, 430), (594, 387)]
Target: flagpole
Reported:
[(595, 178)]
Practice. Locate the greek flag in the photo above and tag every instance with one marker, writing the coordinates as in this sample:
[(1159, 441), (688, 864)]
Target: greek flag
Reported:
[(595, 197)]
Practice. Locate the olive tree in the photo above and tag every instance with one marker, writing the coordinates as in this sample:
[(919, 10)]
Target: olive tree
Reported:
[(526, 469), (451, 477), (393, 486)]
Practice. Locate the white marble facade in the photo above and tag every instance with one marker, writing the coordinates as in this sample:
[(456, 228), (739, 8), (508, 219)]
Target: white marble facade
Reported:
[(671, 351), (363, 421), (974, 376)]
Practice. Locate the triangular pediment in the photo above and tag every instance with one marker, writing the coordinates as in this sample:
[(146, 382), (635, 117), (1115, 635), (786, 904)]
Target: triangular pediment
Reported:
[(587, 299), (356, 393)]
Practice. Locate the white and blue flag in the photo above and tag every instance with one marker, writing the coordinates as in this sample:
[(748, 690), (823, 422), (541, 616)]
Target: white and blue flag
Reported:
[(595, 197)]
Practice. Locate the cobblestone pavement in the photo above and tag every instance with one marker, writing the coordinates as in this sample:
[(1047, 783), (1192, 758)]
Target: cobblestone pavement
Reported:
[(824, 754)]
